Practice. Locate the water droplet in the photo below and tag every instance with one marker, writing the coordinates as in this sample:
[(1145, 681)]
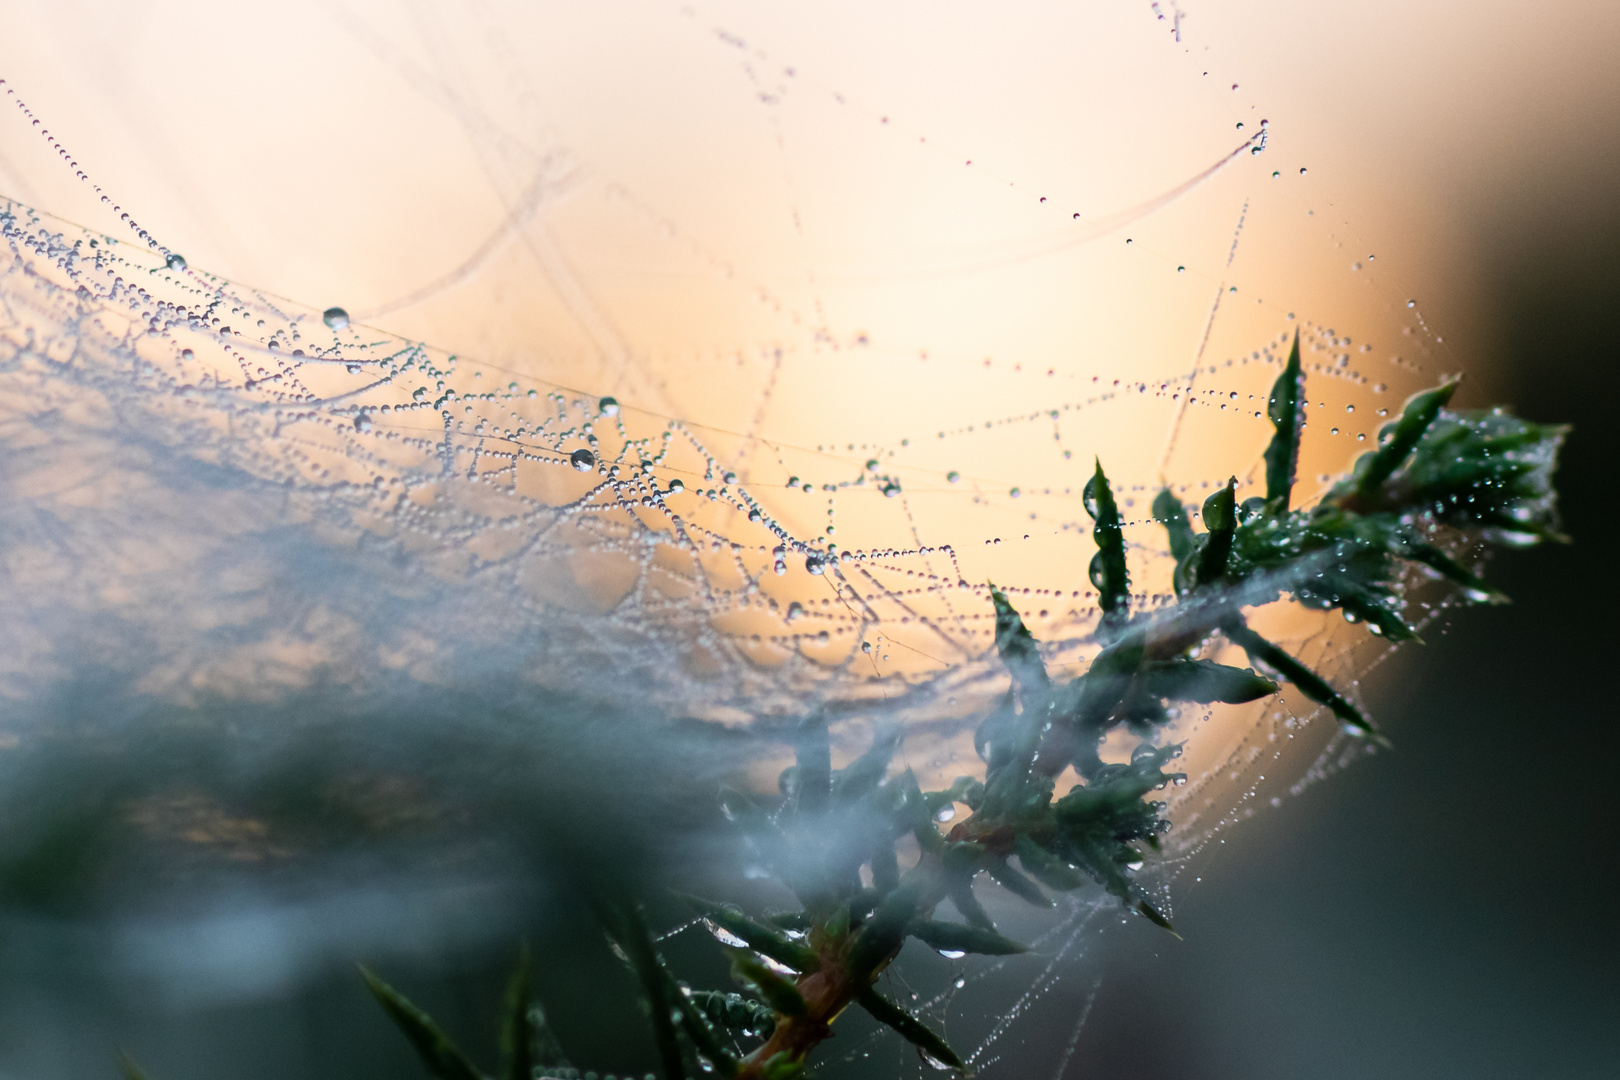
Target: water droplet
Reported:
[(676, 487), (1015, 492), (929, 1059), (795, 611), (362, 422), (1353, 729), (582, 460), (945, 813), (1302, 170), (1181, 269), (353, 369), (776, 965), (728, 478), (891, 489), (960, 983), (953, 476), (335, 317), (176, 261), (608, 406), (815, 564), (872, 464), (724, 936)]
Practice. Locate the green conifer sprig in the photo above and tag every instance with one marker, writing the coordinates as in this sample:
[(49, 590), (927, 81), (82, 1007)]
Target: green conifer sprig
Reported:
[(1435, 480)]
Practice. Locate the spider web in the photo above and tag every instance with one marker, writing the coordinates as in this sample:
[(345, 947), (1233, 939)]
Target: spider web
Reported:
[(717, 466)]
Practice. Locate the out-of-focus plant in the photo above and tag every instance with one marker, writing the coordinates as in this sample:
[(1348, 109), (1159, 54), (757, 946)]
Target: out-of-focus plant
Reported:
[(1436, 481)]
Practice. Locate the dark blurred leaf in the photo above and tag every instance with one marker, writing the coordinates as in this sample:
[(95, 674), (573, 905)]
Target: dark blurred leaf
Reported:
[(884, 932), (1016, 883), (517, 1045), (131, 1071), (1046, 867), (1169, 512), (625, 927), (867, 771), (437, 1052), (960, 890), (813, 754), (527, 1041)]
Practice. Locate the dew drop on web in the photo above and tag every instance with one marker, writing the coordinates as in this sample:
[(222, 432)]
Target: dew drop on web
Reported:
[(582, 460), (724, 936), (335, 318)]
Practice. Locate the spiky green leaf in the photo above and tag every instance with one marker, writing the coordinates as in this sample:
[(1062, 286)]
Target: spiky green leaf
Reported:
[(1017, 646), (1286, 410), (1397, 441), (1220, 518), (761, 938), (1312, 685), (1203, 681), (776, 991), (954, 937), (1108, 569), (914, 1030)]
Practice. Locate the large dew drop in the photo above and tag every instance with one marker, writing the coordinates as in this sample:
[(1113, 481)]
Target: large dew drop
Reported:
[(582, 460), (608, 406), (724, 936), (176, 261), (335, 317)]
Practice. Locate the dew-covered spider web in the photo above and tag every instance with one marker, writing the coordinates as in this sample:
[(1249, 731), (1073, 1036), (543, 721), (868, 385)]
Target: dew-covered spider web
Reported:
[(736, 368)]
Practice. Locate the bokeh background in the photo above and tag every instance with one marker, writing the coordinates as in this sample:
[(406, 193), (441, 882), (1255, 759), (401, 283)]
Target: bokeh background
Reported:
[(570, 191)]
